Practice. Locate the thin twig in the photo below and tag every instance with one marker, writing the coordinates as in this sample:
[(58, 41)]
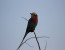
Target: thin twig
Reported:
[(28, 45), (32, 38), (37, 41), (24, 18), (45, 46)]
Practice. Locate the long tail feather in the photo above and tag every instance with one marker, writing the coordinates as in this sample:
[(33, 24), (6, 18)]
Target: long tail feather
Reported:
[(22, 40), (24, 36)]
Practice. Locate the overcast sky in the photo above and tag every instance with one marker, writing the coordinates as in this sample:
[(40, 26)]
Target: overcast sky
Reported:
[(51, 16)]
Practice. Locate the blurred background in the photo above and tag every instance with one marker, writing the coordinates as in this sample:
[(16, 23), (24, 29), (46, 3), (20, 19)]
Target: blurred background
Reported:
[(51, 16)]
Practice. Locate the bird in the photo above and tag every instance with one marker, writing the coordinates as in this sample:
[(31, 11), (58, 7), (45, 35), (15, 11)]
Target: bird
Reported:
[(32, 23)]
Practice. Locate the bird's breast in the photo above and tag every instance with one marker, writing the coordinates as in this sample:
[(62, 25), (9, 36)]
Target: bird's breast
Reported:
[(35, 20)]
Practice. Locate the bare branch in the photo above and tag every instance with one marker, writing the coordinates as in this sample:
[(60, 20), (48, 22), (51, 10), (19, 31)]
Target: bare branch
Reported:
[(32, 38), (45, 46), (37, 41), (28, 45), (24, 18)]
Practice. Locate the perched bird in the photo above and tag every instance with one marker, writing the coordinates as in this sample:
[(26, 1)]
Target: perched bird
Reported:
[(32, 23)]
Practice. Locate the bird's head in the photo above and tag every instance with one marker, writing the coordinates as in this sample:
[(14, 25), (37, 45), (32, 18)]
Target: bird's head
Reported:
[(33, 15)]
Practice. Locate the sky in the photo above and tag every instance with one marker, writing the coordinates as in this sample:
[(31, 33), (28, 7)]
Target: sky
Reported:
[(51, 23)]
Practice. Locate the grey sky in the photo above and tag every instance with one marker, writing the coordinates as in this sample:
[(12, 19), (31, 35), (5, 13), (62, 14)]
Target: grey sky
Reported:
[(51, 16)]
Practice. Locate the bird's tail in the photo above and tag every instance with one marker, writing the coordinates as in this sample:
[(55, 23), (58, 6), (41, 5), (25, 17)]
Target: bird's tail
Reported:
[(22, 40), (24, 36)]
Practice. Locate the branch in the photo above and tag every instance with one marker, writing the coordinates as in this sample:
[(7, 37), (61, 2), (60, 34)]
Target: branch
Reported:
[(32, 38), (45, 46), (28, 45), (37, 41), (24, 18)]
